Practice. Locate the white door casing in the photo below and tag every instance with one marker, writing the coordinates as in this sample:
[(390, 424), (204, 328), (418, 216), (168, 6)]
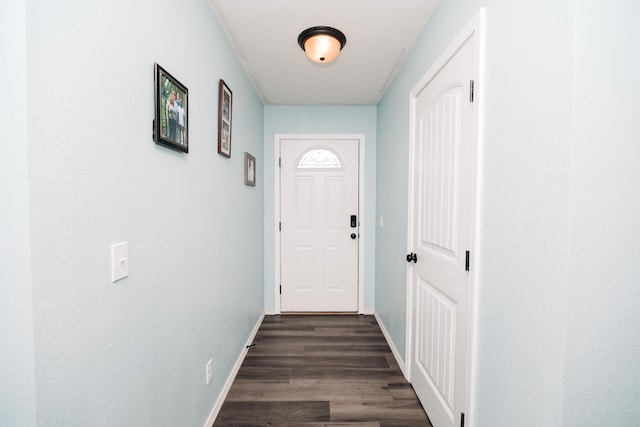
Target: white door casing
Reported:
[(319, 247), (442, 215)]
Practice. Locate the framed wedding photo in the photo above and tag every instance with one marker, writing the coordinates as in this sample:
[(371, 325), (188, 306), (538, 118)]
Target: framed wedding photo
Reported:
[(171, 124), (225, 104), (249, 170)]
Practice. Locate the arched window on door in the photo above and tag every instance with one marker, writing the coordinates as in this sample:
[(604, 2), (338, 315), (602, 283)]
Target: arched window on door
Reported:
[(319, 158)]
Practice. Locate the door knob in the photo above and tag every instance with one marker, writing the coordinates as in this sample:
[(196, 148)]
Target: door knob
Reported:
[(412, 257), (353, 235)]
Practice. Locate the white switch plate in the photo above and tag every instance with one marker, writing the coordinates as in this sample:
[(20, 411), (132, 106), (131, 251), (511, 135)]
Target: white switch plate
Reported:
[(209, 371), (119, 261), (381, 221)]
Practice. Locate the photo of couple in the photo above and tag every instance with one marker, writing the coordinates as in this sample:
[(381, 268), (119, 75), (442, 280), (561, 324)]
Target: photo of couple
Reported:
[(171, 126)]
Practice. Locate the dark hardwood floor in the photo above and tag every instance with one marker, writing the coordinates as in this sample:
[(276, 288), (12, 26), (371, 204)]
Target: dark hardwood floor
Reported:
[(321, 370)]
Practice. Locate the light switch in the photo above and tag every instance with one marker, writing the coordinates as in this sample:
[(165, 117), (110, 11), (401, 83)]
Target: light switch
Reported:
[(119, 261), (381, 221)]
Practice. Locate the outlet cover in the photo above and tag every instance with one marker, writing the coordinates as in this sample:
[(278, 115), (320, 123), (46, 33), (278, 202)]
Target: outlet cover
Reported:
[(209, 371), (119, 261)]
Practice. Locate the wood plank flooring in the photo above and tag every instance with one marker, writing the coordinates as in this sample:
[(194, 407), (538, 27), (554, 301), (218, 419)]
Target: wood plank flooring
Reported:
[(321, 370)]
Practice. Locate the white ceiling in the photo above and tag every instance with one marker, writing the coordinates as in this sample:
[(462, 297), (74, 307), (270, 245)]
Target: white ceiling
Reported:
[(264, 35)]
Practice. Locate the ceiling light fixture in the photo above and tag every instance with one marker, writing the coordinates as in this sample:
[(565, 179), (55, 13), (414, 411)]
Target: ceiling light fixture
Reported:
[(322, 44)]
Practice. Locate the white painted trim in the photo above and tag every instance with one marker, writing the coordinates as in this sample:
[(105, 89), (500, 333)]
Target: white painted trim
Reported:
[(475, 26), (232, 376), (392, 346), (408, 348), (469, 30), (362, 236), (470, 418), (361, 210), (276, 227)]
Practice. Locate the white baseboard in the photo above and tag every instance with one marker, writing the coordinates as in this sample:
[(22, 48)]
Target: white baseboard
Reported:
[(394, 350), (365, 311), (232, 376)]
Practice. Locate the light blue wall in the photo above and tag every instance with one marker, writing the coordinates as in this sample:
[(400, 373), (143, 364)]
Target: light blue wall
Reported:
[(325, 119), (558, 296), (602, 365), (87, 175), (17, 375)]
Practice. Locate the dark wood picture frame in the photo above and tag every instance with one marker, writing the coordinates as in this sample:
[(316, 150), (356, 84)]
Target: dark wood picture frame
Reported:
[(249, 169), (171, 122), (225, 111)]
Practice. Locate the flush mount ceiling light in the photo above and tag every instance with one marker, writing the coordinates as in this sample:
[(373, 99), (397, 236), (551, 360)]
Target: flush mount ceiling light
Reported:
[(322, 44)]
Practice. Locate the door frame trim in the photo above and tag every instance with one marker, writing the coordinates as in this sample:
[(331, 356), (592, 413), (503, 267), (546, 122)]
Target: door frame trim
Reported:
[(278, 138), (476, 26)]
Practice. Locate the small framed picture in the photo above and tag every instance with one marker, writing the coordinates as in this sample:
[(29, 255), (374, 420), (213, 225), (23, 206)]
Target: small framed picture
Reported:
[(249, 169), (225, 104), (171, 124)]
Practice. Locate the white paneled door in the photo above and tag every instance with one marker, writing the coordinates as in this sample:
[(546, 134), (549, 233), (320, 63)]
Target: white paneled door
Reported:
[(441, 235), (319, 225)]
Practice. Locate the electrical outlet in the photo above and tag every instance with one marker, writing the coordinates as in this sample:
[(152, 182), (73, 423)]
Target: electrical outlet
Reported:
[(209, 371)]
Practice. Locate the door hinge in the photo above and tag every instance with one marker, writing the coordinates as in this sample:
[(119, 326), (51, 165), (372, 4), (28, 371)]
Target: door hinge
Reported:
[(280, 289), (279, 225), (471, 90), (466, 263), (461, 419), (279, 162)]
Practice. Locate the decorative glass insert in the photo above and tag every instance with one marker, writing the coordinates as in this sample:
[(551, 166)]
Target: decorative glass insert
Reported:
[(319, 158)]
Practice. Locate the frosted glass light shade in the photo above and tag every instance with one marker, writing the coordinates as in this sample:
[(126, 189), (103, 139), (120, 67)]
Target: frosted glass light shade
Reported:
[(322, 48), (322, 44)]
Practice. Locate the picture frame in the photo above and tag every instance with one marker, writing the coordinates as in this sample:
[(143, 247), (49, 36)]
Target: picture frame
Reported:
[(225, 111), (249, 170), (171, 122)]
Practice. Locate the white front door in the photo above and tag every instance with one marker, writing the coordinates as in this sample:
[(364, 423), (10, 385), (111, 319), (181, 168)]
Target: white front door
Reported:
[(441, 235), (319, 225)]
